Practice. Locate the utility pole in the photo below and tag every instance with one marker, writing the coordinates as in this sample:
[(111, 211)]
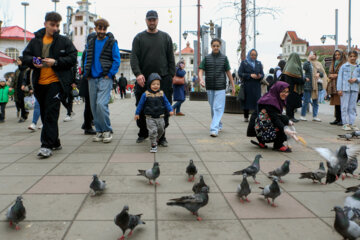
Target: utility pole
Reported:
[(198, 36), (254, 25), (25, 4), (180, 30), (349, 36), (336, 29), (55, 1)]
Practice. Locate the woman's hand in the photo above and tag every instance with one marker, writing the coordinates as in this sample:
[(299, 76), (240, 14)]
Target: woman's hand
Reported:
[(253, 75), (340, 93), (202, 83), (137, 117)]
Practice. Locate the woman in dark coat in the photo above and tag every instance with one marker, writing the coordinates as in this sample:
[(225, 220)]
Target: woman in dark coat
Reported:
[(293, 75), (179, 90), (251, 72), (270, 111)]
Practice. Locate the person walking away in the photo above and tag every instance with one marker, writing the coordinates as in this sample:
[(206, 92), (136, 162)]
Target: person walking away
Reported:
[(293, 75), (179, 90), (152, 51), (338, 59), (5, 92), (102, 62), (122, 85), (216, 67), (348, 90), (278, 70), (20, 75), (270, 79), (154, 104), (251, 73), (51, 78)]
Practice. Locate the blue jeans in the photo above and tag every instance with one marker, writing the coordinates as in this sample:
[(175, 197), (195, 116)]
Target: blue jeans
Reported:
[(99, 94), (36, 113), (216, 99), (322, 95), (177, 106), (307, 100)]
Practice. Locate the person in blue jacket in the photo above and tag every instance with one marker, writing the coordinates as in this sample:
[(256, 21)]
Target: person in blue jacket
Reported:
[(179, 90), (154, 104)]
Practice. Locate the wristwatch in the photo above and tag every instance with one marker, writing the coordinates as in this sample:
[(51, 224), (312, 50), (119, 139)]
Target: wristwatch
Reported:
[(55, 63)]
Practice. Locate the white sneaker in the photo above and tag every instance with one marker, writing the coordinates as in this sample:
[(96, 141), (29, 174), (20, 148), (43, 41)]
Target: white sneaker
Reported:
[(346, 127), (32, 127), (40, 127), (98, 137), (316, 119), (67, 118), (107, 137), (303, 118), (213, 134), (354, 128)]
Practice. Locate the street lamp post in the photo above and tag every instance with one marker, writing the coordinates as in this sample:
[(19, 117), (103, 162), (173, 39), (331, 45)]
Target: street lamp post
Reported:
[(25, 4), (55, 2), (334, 37), (254, 26), (349, 36)]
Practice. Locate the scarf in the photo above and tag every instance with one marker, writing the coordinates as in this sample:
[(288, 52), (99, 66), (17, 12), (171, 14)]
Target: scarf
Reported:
[(249, 59), (273, 96), (317, 67), (293, 66), (334, 69)]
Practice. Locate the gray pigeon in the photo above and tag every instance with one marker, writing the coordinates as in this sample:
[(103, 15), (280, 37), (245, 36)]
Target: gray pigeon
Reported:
[(316, 175), (351, 166), (251, 170), (97, 185), (353, 189), (353, 201), (271, 191), (198, 186), (348, 229), (16, 213), (152, 173), (353, 214), (348, 136), (191, 171), (281, 171), (244, 189), (193, 202), (125, 221), (337, 161)]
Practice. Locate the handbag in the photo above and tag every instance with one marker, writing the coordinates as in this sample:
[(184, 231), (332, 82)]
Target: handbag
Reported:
[(241, 95), (29, 102), (178, 80), (264, 128)]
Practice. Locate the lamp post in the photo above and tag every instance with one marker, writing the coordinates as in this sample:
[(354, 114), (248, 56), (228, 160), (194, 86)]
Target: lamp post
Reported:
[(55, 2), (180, 30), (25, 4), (198, 37), (254, 26), (333, 37), (349, 33)]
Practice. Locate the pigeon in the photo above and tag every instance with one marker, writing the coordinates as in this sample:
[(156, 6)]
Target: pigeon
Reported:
[(243, 189), (353, 214), (348, 136), (316, 175), (251, 170), (16, 213), (281, 171), (337, 161), (198, 186), (125, 221), (152, 173), (97, 185), (193, 202), (353, 189), (348, 229), (271, 191), (353, 201), (191, 170), (351, 167)]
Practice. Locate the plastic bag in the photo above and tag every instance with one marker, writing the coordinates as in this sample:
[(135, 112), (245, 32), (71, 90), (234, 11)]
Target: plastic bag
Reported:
[(29, 102), (75, 92), (112, 96)]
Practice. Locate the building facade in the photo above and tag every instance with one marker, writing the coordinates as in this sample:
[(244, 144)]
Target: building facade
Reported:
[(292, 43), (188, 55)]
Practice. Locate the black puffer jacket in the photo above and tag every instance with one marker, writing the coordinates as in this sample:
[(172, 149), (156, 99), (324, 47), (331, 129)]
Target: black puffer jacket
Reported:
[(215, 71), (61, 49)]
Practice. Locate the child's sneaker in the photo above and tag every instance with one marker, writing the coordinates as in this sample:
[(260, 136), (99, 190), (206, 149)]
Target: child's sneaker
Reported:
[(98, 137), (153, 149), (354, 128), (316, 119), (346, 127), (303, 118)]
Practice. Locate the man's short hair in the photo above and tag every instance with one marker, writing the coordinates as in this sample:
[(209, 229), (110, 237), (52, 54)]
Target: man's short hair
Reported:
[(53, 17), (102, 22)]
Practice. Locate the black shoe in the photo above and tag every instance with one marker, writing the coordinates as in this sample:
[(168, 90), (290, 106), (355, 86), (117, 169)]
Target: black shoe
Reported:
[(89, 131), (21, 120), (339, 123), (140, 139), (294, 120), (163, 143), (83, 126), (335, 122)]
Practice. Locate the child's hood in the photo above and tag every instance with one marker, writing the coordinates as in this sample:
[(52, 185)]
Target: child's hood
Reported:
[(151, 78)]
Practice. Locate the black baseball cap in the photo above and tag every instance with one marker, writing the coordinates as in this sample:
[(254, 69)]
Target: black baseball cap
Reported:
[(152, 14)]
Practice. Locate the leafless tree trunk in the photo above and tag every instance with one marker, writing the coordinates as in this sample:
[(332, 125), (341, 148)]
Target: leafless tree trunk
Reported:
[(243, 30)]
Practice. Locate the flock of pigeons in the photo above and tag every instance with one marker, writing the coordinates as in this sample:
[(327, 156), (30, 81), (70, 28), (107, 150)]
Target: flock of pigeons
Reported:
[(339, 163)]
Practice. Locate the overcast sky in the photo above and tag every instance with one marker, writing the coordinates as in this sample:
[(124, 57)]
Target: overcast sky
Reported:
[(309, 18)]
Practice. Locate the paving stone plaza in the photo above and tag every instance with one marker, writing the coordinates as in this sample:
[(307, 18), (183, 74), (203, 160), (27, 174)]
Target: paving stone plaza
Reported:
[(60, 206)]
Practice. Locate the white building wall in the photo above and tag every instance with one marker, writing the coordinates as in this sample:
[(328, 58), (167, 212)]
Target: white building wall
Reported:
[(19, 45)]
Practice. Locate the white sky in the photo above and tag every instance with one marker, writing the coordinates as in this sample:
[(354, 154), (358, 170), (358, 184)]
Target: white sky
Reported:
[(309, 18)]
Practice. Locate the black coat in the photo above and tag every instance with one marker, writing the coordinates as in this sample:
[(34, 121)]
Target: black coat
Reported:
[(61, 49), (294, 99)]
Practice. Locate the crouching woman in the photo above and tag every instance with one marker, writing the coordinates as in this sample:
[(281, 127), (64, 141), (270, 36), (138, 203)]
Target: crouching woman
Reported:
[(268, 124)]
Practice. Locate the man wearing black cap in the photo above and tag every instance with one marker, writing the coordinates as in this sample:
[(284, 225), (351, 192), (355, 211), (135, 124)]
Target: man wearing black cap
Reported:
[(152, 52)]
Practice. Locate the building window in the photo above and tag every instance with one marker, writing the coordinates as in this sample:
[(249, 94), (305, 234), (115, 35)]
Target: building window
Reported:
[(81, 30), (12, 52), (292, 49), (91, 19), (75, 31), (303, 49), (297, 49), (78, 18), (192, 61), (288, 49), (284, 50)]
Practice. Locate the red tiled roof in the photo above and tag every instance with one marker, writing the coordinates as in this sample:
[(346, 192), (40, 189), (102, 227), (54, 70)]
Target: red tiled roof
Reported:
[(5, 59), (294, 38), (325, 49), (15, 33), (187, 50)]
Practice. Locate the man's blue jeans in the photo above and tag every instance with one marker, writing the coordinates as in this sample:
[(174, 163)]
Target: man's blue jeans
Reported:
[(99, 94), (216, 100), (307, 100)]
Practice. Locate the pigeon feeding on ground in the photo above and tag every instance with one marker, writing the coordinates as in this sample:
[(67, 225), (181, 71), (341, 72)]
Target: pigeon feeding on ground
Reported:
[(125, 221), (152, 173), (97, 185), (348, 229), (353, 201), (351, 167), (348, 136), (281, 171), (191, 170), (243, 189), (198, 186), (251, 170), (193, 202), (316, 175), (353, 189), (337, 161), (16, 213), (271, 191)]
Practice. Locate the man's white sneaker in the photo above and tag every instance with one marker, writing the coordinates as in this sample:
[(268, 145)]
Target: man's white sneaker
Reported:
[(67, 118), (98, 137), (107, 137), (346, 127), (40, 127), (354, 128), (32, 127), (316, 119), (303, 118), (44, 152)]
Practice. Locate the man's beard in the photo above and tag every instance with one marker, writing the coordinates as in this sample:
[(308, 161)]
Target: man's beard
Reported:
[(101, 35), (152, 27)]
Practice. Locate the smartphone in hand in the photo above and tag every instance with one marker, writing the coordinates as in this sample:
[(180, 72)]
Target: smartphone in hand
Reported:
[(37, 61)]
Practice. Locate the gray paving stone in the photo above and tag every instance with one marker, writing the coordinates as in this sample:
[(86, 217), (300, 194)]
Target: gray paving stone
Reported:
[(16, 184), (78, 169), (27, 169)]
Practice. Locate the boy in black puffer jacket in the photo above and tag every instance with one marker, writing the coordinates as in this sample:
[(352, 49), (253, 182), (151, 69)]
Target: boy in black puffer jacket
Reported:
[(154, 104)]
